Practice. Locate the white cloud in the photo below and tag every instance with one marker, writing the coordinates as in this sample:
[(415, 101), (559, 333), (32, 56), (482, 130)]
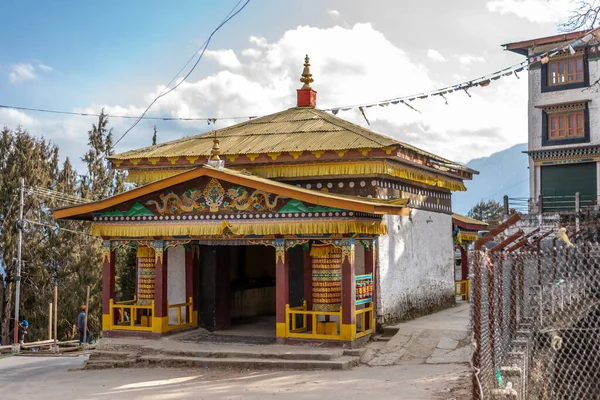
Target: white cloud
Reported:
[(44, 67), (26, 72), (252, 53), (225, 58), (435, 55), (22, 72), (13, 118), (539, 11), (467, 59), (334, 13), (363, 66)]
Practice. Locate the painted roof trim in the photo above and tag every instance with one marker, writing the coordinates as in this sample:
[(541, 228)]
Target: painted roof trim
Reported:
[(395, 207), (522, 47), (563, 103)]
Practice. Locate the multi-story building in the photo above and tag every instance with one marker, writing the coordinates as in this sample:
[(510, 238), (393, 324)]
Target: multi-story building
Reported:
[(564, 114)]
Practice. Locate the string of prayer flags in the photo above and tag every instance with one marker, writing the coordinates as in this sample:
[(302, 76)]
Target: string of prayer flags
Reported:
[(411, 107), (483, 81), (362, 111)]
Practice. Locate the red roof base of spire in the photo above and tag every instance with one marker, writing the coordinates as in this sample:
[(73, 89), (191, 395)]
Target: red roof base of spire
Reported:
[(307, 98)]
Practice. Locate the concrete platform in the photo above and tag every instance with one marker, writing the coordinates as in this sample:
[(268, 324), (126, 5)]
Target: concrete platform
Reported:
[(171, 352)]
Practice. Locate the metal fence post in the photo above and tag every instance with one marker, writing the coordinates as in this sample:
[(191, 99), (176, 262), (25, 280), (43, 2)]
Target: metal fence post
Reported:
[(476, 304)]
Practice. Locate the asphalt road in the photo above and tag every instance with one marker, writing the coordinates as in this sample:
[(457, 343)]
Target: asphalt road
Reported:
[(31, 378)]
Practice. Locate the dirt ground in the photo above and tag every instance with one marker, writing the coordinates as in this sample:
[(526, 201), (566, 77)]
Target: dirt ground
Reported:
[(50, 378)]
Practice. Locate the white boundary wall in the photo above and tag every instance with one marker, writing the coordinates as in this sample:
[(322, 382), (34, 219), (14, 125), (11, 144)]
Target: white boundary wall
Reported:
[(415, 266)]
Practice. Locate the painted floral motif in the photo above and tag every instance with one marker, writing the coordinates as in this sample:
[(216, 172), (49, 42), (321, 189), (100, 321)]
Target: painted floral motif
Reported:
[(213, 195)]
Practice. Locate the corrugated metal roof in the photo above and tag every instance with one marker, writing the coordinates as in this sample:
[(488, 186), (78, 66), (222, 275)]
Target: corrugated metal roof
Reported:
[(296, 129), (468, 220)]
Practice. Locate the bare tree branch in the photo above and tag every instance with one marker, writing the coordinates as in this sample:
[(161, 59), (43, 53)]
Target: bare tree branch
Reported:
[(584, 16)]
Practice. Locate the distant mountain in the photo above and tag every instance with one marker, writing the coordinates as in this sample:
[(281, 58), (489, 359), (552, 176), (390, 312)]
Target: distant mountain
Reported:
[(505, 172)]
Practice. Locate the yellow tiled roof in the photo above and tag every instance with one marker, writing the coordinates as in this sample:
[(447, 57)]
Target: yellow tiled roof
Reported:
[(468, 220), (295, 129)]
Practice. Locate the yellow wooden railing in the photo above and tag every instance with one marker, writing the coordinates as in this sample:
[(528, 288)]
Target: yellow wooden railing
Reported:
[(188, 315), (133, 309), (304, 332), (461, 288), (294, 321), (320, 327), (367, 322)]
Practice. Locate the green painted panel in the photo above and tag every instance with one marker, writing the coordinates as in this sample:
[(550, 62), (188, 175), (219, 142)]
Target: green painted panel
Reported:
[(561, 182)]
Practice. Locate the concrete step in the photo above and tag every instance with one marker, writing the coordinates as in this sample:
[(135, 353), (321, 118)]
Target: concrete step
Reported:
[(325, 355), (389, 330), (342, 363), (110, 355), (108, 364), (355, 352)]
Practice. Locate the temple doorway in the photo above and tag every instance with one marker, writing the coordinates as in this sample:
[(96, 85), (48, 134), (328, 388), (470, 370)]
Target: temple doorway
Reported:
[(238, 290)]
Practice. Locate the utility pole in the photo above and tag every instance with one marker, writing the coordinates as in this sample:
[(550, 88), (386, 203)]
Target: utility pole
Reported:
[(18, 276)]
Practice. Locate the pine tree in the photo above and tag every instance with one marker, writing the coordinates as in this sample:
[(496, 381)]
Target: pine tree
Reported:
[(36, 161), (100, 181), (489, 212)]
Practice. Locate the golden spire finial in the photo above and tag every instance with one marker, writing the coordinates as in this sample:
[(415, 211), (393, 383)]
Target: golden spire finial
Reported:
[(214, 153), (306, 75)]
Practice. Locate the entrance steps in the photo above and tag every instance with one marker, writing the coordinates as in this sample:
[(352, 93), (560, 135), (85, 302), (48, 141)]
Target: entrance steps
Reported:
[(239, 357)]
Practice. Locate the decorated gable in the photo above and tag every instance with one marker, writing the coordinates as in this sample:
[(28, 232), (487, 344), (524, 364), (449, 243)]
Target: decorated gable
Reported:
[(210, 198)]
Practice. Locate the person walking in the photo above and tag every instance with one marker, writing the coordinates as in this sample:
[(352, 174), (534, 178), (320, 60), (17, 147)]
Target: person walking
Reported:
[(81, 326)]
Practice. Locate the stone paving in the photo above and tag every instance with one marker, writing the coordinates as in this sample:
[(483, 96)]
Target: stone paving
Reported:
[(440, 338)]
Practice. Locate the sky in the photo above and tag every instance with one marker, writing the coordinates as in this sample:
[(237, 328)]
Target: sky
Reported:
[(84, 56)]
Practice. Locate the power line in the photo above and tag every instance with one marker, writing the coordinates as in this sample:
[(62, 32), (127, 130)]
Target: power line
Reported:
[(206, 43), (58, 197), (505, 189), (70, 231), (61, 229), (56, 194), (464, 86), (461, 86), (83, 114)]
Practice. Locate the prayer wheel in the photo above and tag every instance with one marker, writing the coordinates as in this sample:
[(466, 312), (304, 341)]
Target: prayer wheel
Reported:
[(326, 277), (146, 275)]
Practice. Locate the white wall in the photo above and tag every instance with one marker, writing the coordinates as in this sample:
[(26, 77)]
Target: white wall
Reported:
[(415, 266), (176, 281)]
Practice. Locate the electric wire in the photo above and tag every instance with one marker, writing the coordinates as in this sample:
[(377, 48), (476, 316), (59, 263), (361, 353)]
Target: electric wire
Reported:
[(57, 193), (56, 196), (83, 114), (55, 227), (206, 43)]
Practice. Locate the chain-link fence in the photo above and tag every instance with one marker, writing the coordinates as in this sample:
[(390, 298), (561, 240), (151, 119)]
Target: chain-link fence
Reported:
[(536, 314)]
